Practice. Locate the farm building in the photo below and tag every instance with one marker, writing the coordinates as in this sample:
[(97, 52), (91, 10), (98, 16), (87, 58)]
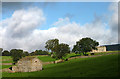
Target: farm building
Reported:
[(104, 48), (27, 64)]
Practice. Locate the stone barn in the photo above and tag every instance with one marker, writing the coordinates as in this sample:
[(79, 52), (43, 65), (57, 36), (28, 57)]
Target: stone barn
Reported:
[(27, 64), (105, 48)]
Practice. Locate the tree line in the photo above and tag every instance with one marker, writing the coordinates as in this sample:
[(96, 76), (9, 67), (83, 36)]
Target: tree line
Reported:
[(17, 54), (55, 49)]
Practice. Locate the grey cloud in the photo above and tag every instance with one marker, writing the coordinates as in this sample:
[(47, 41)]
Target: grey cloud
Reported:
[(119, 22), (6, 6), (113, 23)]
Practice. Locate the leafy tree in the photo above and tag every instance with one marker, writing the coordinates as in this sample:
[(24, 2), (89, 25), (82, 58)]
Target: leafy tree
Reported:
[(32, 53), (61, 50), (39, 52), (5, 53), (85, 45), (25, 53), (50, 44), (1, 49), (45, 52), (16, 54)]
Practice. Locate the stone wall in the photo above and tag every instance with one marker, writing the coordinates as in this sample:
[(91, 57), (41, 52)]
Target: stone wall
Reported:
[(59, 61)]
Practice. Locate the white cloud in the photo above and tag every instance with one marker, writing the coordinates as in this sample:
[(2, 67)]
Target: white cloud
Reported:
[(62, 21), (114, 18), (20, 31), (23, 22), (16, 30), (113, 21), (73, 31)]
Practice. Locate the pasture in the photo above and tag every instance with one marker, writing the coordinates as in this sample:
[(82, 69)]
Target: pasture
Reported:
[(46, 58), (102, 66), (5, 60)]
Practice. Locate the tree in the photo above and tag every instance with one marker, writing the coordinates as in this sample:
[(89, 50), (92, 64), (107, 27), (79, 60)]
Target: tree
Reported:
[(5, 53), (38, 52), (16, 54), (61, 50), (50, 44), (32, 53), (25, 53), (85, 45), (1, 49), (45, 53)]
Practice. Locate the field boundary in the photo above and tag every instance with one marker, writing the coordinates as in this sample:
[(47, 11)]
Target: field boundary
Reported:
[(45, 63)]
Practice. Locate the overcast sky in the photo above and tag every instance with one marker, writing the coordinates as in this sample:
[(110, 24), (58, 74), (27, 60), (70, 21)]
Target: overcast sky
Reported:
[(28, 25)]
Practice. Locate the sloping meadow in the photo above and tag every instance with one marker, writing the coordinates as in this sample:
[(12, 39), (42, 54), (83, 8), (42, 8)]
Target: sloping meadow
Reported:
[(103, 66)]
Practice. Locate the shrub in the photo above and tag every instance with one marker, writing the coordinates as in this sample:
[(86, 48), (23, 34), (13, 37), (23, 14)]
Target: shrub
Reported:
[(16, 54)]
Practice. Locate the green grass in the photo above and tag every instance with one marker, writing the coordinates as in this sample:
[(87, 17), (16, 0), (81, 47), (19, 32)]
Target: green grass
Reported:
[(5, 66), (104, 53), (74, 55), (103, 66), (71, 55), (7, 61), (6, 57), (46, 58)]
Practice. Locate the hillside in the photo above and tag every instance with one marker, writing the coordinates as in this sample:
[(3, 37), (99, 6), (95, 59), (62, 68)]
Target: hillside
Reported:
[(103, 66)]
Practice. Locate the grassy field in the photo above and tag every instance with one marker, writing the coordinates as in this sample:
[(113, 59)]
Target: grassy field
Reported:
[(46, 58), (81, 54), (6, 66), (6, 58), (103, 53), (103, 66), (7, 61)]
